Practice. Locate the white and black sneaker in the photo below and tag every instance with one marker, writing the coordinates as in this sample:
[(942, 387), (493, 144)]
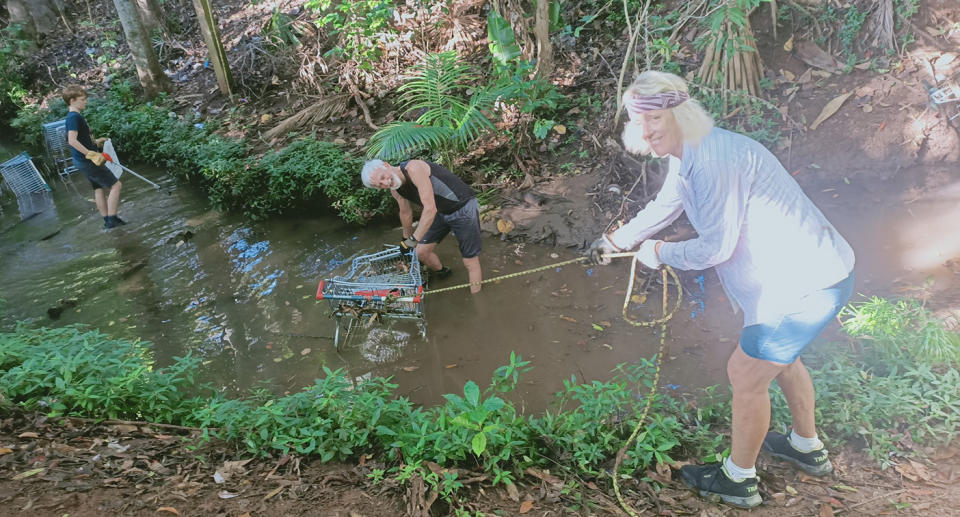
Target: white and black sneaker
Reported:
[(712, 482), (815, 462)]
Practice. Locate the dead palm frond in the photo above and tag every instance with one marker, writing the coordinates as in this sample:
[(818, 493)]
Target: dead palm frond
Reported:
[(319, 111), (731, 60)]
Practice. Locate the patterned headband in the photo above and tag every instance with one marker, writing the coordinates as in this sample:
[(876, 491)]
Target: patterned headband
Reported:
[(658, 101)]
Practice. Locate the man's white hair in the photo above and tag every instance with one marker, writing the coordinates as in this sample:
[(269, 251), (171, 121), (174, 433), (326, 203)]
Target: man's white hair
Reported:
[(368, 168), (694, 121)]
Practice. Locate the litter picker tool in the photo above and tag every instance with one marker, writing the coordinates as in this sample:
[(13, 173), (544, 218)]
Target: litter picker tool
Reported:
[(113, 163)]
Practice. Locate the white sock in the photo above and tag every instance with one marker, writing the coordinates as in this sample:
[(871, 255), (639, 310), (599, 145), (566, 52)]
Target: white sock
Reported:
[(736, 473), (804, 444)]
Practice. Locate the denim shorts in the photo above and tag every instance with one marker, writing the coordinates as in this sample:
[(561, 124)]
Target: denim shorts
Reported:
[(783, 340), (465, 224)]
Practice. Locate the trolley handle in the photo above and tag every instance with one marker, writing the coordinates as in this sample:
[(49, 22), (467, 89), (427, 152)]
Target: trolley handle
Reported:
[(320, 289)]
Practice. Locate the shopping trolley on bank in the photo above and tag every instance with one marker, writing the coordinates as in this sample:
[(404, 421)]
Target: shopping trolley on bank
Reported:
[(386, 284)]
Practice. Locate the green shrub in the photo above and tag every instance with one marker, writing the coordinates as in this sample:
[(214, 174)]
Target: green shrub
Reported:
[(297, 177), (901, 330)]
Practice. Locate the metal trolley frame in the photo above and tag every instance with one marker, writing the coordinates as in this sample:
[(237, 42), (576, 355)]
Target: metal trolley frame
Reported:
[(385, 284)]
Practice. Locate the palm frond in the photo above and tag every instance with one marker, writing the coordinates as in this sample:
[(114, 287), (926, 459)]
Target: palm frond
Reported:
[(476, 118), (402, 139)]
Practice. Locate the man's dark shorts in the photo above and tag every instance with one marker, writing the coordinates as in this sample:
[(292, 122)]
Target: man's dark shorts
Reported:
[(465, 224), (99, 177)]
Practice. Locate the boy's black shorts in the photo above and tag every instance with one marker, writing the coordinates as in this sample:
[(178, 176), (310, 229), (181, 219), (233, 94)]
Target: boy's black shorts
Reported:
[(99, 177)]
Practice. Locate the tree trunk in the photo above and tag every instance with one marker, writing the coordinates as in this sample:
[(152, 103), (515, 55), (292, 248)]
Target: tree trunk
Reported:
[(37, 17), (138, 39), (541, 31), (211, 35), (151, 15)]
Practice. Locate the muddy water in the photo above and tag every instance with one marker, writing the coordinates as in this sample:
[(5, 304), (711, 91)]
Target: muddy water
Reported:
[(240, 294)]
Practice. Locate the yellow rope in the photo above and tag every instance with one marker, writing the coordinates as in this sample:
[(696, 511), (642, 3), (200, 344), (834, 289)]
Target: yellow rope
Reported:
[(662, 321), (656, 377)]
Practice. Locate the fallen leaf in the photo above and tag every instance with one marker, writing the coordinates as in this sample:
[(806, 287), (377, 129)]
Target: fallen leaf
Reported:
[(454, 365), (791, 490), (28, 434), (305, 351), (513, 492), (811, 54), (168, 509), (844, 488), (788, 46), (596, 327), (273, 492), (568, 318), (223, 494), (560, 129), (867, 108), (638, 298), (124, 428), (4, 450), (277, 359), (265, 118), (31, 472), (410, 368), (826, 510), (830, 109), (526, 506), (505, 225)]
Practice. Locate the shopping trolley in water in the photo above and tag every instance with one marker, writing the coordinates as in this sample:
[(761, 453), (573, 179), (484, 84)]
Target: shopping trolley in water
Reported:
[(385, 284)]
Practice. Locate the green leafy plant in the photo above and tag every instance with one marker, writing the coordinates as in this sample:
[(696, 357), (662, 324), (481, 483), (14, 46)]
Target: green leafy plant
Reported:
[(360, 25), (901, 329), (280, 29), (448, 121), (305, 174)]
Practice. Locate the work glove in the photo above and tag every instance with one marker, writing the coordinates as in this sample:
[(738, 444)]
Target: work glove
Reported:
[(647, 254), (100, 141), (600, 247), (98, 159), (408, 244)]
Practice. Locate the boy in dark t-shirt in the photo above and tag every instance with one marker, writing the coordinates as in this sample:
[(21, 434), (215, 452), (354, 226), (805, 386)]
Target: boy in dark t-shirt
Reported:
[(89, 160)]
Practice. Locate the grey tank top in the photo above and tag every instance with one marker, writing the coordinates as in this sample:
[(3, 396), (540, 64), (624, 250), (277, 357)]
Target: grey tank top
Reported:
[(450, 193)]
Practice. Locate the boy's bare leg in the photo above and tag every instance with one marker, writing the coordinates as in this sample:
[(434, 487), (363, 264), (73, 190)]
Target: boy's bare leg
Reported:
[(113, 201), (101, 200)]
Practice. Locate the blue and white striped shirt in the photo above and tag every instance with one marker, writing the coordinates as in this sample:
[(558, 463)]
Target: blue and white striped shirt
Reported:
[(770, 244)]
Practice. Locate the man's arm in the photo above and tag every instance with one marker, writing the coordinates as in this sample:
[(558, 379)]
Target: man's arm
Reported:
[(406, 214), (419, 173)]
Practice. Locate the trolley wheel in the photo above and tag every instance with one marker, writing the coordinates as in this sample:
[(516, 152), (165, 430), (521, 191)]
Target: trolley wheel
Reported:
[(423, 328), (336, 335)]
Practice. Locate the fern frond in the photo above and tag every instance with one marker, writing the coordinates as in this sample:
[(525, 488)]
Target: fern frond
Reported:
[(399, 140), (476, 118)]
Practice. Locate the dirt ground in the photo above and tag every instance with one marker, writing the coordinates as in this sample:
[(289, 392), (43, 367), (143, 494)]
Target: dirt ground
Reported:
[(884, 145)]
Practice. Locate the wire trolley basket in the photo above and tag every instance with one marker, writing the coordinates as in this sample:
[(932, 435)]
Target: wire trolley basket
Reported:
[(385, 284)]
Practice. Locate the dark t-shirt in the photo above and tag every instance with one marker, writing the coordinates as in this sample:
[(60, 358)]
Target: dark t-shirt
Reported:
[(450, 193), (76, 122)]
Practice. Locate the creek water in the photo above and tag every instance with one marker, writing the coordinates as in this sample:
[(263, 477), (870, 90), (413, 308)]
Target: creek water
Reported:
[(240, 294)]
